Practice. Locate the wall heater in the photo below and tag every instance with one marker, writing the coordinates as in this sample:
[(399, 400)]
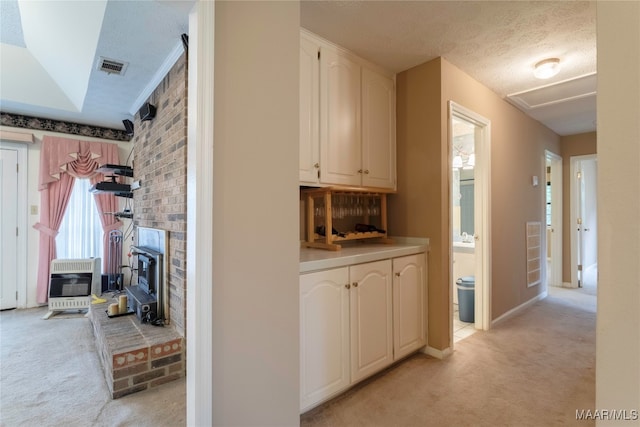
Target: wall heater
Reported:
[(71, 283)]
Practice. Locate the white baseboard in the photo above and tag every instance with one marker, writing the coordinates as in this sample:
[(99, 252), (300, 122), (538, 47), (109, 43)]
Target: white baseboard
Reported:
[(438, 354), (519, 308), (568, 285)]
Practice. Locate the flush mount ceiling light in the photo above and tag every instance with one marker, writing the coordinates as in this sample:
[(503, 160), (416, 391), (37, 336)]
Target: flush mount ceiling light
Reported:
[(547, 68)]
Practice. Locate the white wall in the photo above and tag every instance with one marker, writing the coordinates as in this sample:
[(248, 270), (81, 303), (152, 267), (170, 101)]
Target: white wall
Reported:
[(255, 325), (33, 199), (618, 317)]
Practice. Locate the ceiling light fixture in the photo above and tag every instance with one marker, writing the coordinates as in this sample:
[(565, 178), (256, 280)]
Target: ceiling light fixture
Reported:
[(547, 68)]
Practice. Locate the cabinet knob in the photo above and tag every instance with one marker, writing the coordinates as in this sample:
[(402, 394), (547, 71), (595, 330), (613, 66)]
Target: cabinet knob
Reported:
[(317, 165), (366, 171), (398, 274), (348, 286), (359, 170), (354, 284)]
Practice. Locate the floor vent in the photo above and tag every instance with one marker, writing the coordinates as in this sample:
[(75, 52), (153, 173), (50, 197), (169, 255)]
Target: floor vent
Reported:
[(112, 66)]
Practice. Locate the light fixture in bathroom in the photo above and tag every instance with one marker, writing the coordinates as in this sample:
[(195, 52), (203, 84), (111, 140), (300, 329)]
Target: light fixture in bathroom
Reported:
[(547, 68), (457, 161), (472, 160)]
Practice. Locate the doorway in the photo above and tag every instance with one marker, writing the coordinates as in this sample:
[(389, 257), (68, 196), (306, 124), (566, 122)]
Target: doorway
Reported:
[(553, 214), (469, 193), (584, 254)]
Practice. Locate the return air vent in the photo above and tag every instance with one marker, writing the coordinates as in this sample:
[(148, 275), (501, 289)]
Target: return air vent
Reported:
[(112, 66)]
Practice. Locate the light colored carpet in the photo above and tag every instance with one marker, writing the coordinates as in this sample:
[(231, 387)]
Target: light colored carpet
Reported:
[(535, 369), (50, 375)]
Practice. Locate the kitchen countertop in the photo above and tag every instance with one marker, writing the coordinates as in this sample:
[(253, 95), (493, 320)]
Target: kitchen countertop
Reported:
[(312, 259)]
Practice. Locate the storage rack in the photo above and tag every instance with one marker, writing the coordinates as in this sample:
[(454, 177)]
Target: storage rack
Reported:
[(329, 240)]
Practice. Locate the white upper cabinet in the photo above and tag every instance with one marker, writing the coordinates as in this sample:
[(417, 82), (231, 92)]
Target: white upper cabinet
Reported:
[(378, 130), (309, 111), (347, 118), (340, 122)]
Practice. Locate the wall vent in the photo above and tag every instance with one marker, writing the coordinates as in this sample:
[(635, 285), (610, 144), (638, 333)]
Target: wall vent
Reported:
[(112, 66)]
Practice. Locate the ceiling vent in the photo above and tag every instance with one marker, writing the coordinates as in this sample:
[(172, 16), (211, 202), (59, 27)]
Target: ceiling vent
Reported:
[(112, 66)]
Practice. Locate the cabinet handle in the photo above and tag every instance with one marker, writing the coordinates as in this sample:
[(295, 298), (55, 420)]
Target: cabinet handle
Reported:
[(317, 165), (355, 284), (348, 286), (366, 171)]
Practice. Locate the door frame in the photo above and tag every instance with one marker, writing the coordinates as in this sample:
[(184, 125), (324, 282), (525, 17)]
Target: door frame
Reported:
[(23, 215), (482, 214), (556, 217), (575, 197)]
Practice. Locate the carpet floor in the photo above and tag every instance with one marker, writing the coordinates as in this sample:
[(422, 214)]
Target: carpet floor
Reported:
[(535, 369)]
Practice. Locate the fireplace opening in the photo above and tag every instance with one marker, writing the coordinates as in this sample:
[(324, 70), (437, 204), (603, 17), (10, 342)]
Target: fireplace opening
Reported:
[(145, 298)]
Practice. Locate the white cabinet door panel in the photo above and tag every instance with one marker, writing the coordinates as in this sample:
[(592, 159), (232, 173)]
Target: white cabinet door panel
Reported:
[(324, 335), (309, 110), (408, 304), (371, 318)]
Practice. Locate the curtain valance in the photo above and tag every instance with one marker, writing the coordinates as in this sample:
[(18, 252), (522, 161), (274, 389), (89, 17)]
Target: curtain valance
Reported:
[(79, 159)]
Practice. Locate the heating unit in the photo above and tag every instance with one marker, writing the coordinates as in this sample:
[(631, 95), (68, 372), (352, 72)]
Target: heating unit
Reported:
[(71, 284)]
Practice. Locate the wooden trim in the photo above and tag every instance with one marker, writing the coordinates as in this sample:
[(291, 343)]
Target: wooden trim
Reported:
[(11, 136)]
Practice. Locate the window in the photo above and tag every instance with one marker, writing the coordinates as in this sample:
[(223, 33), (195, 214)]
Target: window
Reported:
[(80, 233)]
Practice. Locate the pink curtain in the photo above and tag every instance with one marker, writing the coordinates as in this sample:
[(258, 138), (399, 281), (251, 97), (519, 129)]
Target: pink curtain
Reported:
[(61, 161)]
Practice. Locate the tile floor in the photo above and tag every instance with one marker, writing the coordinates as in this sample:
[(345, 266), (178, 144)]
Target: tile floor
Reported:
[(461, 330)]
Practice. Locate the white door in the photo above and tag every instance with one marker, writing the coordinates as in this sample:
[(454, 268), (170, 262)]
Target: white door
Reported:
[(340, 121), (408, 304), (587, 219), (8, 228), (371, 318), (324, 335), (553, 198)]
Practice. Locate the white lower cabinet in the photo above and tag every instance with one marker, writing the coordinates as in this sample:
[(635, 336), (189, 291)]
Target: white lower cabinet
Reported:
[(324, 335), (371, 318), (408, 304), (355, 321)]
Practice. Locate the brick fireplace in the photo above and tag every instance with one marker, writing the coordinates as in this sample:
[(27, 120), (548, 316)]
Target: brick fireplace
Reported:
[(137, 356)]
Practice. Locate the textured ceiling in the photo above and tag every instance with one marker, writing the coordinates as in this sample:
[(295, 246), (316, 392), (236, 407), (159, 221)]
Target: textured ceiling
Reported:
[(497, 43)]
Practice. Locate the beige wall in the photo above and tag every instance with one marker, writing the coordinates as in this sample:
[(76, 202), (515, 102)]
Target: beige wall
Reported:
[(573, 145), (421, 207), (255, 325), (618, 317)]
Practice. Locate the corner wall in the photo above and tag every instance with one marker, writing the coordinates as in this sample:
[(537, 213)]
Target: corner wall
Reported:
[(618, 317)]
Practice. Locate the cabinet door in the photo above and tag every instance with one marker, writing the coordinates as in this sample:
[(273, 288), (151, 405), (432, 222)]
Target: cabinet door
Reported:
[(408, 304), (371, 318), (378, 130), (324, 335), (340, 126), (309, 111)]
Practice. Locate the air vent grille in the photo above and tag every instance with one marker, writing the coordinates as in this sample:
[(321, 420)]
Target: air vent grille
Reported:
[(112, 66)]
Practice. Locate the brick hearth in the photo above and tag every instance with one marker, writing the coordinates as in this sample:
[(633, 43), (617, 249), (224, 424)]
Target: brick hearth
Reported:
[(136, 356)]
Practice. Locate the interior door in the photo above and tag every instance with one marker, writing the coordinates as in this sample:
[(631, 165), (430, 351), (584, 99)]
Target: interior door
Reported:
[(587, 218), (8, 228)]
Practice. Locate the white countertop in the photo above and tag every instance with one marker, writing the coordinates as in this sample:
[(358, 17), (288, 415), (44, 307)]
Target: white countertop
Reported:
[(312, 259)]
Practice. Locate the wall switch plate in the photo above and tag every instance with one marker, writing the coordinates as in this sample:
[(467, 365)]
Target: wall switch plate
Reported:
[(34, 209), (534, 180)]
